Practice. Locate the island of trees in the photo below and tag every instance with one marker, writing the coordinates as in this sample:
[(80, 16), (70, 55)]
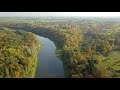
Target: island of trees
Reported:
[(88, 47)]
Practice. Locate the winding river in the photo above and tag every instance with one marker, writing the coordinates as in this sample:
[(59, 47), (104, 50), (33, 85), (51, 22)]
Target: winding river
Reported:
[(49, 66)]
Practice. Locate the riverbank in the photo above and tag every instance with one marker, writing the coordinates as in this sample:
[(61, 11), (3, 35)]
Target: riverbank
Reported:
[(36, 60), (35, 57), (59, 53)]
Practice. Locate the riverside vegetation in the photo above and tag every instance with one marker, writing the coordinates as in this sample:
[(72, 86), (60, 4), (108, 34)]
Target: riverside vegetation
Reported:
[(88, 47), (18, 54)]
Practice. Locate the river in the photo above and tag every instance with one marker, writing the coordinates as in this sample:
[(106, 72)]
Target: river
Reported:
[(49, 66)]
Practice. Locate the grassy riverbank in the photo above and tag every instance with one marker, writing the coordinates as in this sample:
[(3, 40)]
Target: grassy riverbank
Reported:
[(58, 53), (36, 61)]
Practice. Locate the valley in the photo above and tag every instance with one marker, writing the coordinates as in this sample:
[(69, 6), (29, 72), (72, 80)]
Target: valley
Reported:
[(74, 47)]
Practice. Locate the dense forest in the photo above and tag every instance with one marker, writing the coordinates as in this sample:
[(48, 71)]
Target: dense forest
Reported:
[(18, 53), (89, 47)]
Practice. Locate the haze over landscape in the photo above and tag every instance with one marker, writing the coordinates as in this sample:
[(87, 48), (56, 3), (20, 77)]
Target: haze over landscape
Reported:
[(45, 14)]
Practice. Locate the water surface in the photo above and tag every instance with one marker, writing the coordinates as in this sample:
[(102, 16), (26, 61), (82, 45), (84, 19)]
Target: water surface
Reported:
[(49, 66)]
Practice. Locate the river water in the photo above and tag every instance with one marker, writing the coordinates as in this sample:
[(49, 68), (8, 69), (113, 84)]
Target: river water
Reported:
[(49, 66)]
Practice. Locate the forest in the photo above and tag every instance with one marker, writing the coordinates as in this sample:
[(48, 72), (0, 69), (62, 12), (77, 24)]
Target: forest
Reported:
[(89, 47), (18, 53)]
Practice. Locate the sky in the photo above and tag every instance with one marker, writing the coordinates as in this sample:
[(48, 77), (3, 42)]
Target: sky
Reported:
[(39, 14)]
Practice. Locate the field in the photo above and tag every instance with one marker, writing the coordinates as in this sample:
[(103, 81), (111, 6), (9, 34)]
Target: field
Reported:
[(112, 60)]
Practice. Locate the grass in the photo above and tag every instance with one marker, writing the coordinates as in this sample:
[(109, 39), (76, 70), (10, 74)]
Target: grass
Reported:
[(58, 52), (112, 60), (36, 63), (116, 67)]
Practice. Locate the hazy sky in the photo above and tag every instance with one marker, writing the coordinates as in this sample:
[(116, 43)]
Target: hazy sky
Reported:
[(37, 14)]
